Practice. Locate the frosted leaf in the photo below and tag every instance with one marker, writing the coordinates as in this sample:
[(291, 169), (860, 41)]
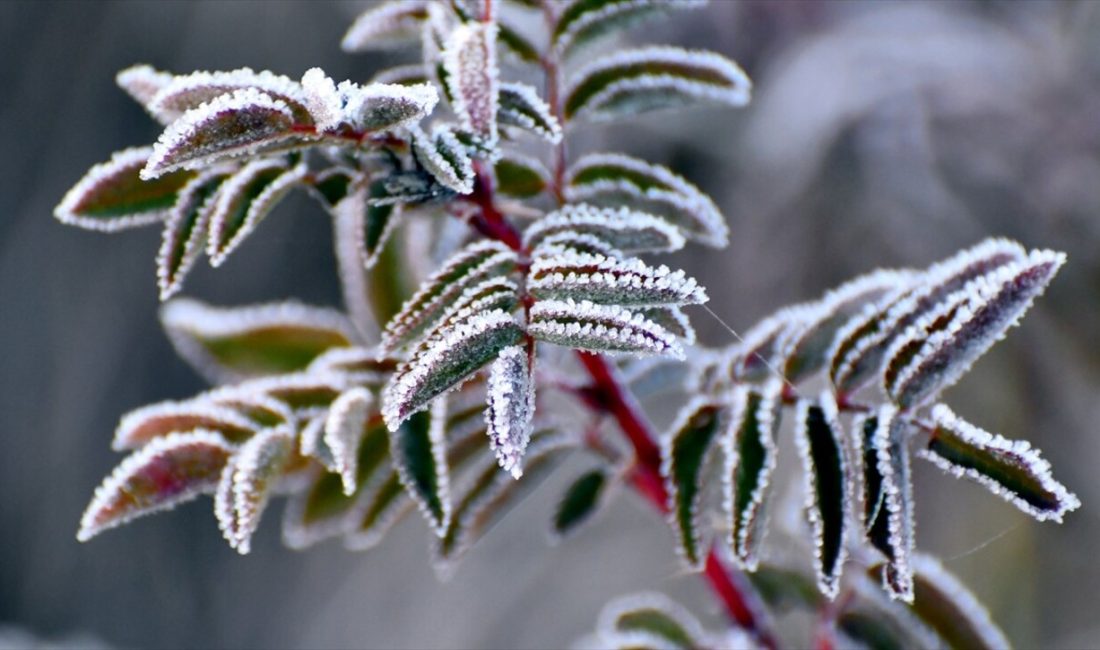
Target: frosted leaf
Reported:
[(653, 78), (238, 342), (366, 366), (375, 224), (162, 474), (474, 10), (112, 196), (390, 24), (470, 63), (653, 614), (189, 92), (462, 270), (378, 107), (148, 423), (494, 293), (614, 179), (861, 344), (817, 436), (584, 21), (375, 515), (868, 618), (259, 408), (410, 74), (762, 346), (457, 352), (750, 459), (520, 176), (521, 107), (419, 453), (584, 497), (599, 328), (1010, 469), (628, 282), (245, 200), (945, 604), (302, 392), (993, 303), (347, 420), (511, 407), (684, 453), (444, 157), (808, 350), (230, 125), (489, 493), (142, 82), (889, 519), (247, 482), (627, 230), (313, 444), (671, 319), (349, 231), (579, 242), (185, 230)]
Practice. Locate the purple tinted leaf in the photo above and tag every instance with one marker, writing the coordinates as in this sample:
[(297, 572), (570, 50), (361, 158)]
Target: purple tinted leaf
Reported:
[(143, 425), (470, 62), (245, 199), (185, 230)]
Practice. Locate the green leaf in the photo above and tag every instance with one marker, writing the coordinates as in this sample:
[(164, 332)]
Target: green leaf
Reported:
[(582, 22), (520, 176), (889, 519), (241, 342), (464, 269), (459, 351), (652, 614), (749, 445), (945, 604), (420, 456), (516, 44), (185, 230), (112, 196), (684, 455), (162, 474), (653, 78), (245, 199), (1011, 469), (387, 25), (581, 501), (444, 157), (614, 180), (521, 107), (827, 497)]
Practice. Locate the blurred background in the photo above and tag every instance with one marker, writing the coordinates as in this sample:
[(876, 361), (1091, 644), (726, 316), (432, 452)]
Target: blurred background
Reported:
[(881, 134)]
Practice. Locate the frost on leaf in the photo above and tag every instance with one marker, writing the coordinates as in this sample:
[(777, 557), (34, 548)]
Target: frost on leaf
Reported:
[(944, 604), (578, 242), (493, 293), (1011, 469), (159, 476), (754, 358), (654, 78), (464, 269), (516, 44), (869, 619), (750, 460), (489, 493), (148, 423), (684, 453), (817, 435), (584, 21), (627, 230), (246, 484), (375, 108), (303, 392), (888, 503), (230, 125), (861, 344), (599, 328), (655, 615), (456, 353), (344, 427), (615, 179), (142, 82), (444, 157), (470, 63), (627, 282), (185, 230), (990, 306), (240, 342), (375, 515), (520, 176), (671, 319), (390, 24), (245, 199), (581, 501), (511, 407), (112, 196), (312, 442), (418, 451), (521, 107), (188, 92)]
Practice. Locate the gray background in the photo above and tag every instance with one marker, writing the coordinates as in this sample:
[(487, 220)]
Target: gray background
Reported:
[(880, 134)]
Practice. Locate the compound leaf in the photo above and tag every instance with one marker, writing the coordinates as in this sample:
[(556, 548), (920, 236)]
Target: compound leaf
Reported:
[(627, 230), (599, 328), (627, 282), (584, 21)]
